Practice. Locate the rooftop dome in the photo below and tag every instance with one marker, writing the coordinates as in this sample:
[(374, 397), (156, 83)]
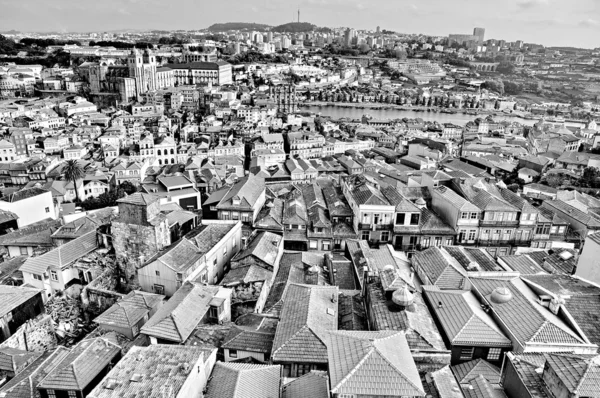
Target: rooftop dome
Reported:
[(420, 201), (501, 295), (389, 267), (403, 297), (314, 269)]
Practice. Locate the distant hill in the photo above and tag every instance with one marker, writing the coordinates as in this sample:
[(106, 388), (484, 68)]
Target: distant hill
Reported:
[(222, 27), (294, 27)]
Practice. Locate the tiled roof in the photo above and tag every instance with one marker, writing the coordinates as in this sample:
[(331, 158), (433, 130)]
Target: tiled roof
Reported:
[(246, 274), (13, 359), (13, 296), (24, 384), (308, 312), (62, 255), (345, 273), (455, 199), (241, 380), (467, 371), (180, 256), (365, 194), (526, 367), (36, 234), (351, 311), (249, 340), (82, 365), (555, 260), (159, 369), (247, 190), (372, 364), (580, 376), (139, 199), (291, 270), (314, 384), (336, 202), (525, 319), (585, 310), (128, 312), (463, 320), (438, 268), (179, 316), (205, 237), (416, 320), (431, 223), (522, 264), (396, 199), (263, 247), (24, 194), (481, 388), (564, 285), (271, 215)]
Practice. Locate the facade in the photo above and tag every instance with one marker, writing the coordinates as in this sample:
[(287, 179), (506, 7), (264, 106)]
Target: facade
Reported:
[(216, 73), (30, 205), (243, 200), (53, 271)]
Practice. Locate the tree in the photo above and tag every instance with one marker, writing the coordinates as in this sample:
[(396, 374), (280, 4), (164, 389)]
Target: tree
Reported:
[(73, 172)]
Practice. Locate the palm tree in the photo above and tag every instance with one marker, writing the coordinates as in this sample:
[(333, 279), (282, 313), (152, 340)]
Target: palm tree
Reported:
[(73, 172)]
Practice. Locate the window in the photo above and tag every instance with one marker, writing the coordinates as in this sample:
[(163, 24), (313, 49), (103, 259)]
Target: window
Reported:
[(326, 245), (449, 242), (507, 233), (37, 277), (472, 234), (400, 218), (53, 275), (179, 276), (466, 354), (303, 369), (313, 244), (494, 354), (438, 241), (385, 236), (72, 394), (232, 353), (157, 273), (23, 251), (464, 216), (159, 289), (51, 393), (225, 250), (319, 229), (561, 230), (474, 216), (365, 235), (414, 219), (47, 210)]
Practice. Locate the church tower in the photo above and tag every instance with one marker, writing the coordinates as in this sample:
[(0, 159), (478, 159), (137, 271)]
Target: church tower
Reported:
[(142, 68)]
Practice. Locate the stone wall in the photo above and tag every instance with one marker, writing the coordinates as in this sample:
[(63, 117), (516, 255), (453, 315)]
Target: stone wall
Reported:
[(135, 244), (35, 335)]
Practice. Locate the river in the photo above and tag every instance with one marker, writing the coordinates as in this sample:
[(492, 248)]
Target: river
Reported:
[(338, 112)]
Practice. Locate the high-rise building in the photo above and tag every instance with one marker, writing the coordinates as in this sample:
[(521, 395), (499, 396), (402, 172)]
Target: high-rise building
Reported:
[(378, 30), (349, 36), (142, 68), (479, 33)]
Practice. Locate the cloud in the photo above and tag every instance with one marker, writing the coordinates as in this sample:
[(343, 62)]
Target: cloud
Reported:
[(589, 23), (532, 3)]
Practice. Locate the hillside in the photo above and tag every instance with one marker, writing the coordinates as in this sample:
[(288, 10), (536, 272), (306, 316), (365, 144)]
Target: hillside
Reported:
[(222, 27), (294, 27)]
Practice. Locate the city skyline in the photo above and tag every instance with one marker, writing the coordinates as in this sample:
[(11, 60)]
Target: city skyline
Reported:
[(536, 21)]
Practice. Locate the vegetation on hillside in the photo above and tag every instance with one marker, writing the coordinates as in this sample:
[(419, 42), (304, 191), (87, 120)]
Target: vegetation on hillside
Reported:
[(294, 27), (222, 27)]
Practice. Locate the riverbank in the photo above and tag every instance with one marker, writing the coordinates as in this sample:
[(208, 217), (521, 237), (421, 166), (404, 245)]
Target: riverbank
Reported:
[(412, 108), (355, 111)]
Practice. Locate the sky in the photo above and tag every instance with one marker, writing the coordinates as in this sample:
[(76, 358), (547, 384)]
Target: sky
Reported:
[(549, 22)]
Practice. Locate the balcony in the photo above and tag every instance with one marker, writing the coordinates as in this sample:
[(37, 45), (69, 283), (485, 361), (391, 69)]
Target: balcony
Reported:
[(407, 248), (496, 223), (496, 242), (374, 227)]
